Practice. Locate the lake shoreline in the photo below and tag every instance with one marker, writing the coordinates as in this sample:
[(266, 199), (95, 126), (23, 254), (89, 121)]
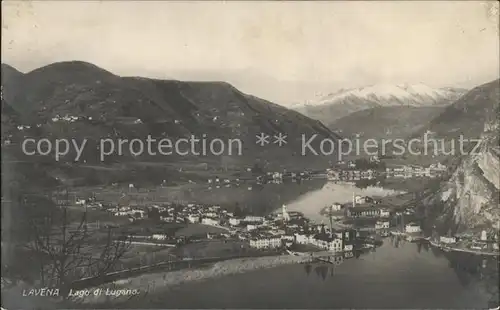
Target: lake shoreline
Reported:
[(157, 283)]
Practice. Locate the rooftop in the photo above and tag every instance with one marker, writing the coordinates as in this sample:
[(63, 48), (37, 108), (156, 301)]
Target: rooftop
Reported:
[(365, 208)]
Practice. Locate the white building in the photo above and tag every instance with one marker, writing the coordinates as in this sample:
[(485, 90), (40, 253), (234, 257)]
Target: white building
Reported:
[(277, 177), (382, 225), (275, 242), (193, 218), (385, 213), (251, 227), (234, 222), (360, 199), (138, 212), (484, 236), (412, 228), (159, 237), (348, 247), (253, 219), (168, 219), (81, 202), (336, 207), (447, 240), (210, 214), (121, 213), (265, 243), (329, 244), (326, 243), (302, 238), (209, 221), (437, 167)]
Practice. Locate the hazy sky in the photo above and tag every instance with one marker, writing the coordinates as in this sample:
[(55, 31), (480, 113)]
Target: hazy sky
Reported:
[(284, 52)]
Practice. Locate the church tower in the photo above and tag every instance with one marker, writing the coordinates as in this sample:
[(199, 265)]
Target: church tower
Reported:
[(284, 214)]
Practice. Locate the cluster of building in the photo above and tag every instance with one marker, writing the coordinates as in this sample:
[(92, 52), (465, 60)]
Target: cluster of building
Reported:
[(413, 228), (133, 213), (266, 178), (335, 241), (279, 177), (366, 207), (288, 228), (411, 171), (382, 225), (121, 209), (67, 118), (481, 242), (193, 213), (350, 175), (218, 182), (367, 212), (280, 229)]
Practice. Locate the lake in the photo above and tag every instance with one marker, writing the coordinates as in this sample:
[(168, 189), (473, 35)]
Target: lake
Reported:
[(396, 275)]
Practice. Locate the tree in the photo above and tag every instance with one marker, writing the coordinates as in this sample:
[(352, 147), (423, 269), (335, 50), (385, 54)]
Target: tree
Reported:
[(323, 230), (154, 213), (64, 246)]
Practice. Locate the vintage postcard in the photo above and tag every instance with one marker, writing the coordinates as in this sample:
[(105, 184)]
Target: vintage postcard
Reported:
[(250, 155)]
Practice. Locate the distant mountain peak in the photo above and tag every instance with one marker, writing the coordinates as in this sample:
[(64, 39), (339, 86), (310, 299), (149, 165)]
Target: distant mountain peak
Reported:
[(8, 67), (67, 69), (416, 94), (344, 101)]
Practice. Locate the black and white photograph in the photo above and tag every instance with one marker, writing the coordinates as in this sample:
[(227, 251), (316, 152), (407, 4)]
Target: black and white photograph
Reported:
[(250, 154)]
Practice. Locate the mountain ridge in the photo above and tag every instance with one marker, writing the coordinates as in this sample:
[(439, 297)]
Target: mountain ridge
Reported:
[(468, 114), (339, 104), (386, 122), (393, 94), (101, 104)]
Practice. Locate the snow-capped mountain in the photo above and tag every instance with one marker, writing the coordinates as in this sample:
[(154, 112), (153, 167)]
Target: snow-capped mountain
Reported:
[(390, 95), (346, 101)]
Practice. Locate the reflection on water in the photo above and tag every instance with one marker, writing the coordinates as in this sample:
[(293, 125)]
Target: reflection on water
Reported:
[(472, 271), (469, 269), (307, 268), (398, 275), (328, 265), (411, 275)]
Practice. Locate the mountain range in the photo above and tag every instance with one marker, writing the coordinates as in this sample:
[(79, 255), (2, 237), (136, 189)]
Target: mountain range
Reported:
[(82, 101), (386, 122), (467, 115), (336, 105)]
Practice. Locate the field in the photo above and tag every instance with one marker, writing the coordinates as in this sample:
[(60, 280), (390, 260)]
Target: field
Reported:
[(212, 248), (198, 229), (396, 201)]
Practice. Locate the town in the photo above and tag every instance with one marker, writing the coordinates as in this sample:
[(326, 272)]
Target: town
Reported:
[(284, 229)]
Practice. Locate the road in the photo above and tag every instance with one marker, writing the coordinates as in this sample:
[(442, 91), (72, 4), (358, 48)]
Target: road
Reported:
[(163, 266)]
